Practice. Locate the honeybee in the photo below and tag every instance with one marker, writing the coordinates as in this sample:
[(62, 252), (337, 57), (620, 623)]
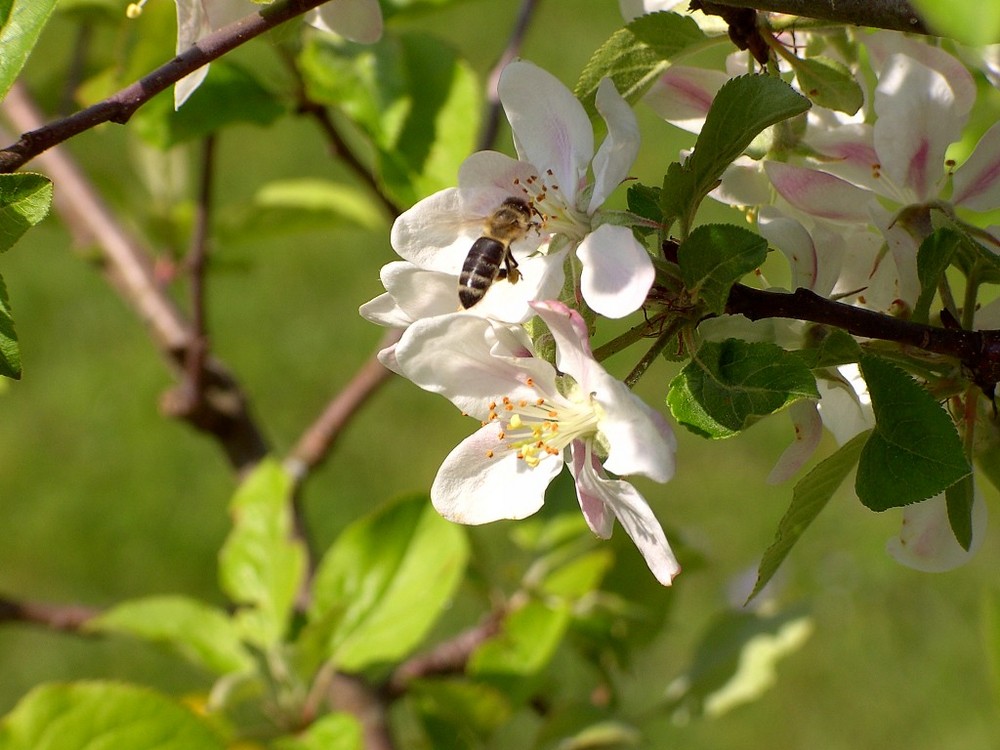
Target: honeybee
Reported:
[(507, 224)]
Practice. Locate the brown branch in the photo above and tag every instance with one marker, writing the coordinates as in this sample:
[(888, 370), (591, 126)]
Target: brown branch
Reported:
[(224, 413), (883, 14), (119, 107), (62, 617), (353, 695), (492, 121), (978, 351), (449, 657)]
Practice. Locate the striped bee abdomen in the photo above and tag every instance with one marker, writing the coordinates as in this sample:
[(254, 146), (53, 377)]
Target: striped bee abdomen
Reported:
[(480, 270)]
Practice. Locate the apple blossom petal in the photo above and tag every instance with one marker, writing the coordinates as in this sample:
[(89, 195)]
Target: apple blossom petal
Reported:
[(480, 481), (795, 243), (977, 181), (850, 153), (384, 311), (598, 515), (744, 183), (926, 541), (683, 95), (420, 293), (819, 193), (638, 438), (634, 514), (387, 357), (435, 233), (572, 339), (617, 271), (192, 25), (808, 430), (844, 404), (550, 128), (472, 362), (487, 178), (357, 20), (884, 44), (617, 153), (917, 120)]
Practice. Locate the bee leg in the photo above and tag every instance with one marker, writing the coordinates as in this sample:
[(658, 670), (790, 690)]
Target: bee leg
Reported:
[(510, 271)]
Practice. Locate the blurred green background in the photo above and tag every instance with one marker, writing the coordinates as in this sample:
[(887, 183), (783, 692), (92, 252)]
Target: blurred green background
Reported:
[(103, 499)]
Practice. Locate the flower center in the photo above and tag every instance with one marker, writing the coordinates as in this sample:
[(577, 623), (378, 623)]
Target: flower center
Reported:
[(540, 428), (554, 214)]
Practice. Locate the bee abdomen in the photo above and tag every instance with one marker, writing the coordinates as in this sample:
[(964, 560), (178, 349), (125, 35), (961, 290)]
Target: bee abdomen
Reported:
[(480, 270)]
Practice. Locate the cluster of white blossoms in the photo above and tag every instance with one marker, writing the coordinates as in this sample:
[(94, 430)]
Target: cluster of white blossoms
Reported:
[(535, 415)]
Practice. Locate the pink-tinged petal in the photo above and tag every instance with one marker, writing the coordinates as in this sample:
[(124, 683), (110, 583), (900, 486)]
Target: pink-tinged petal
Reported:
[(977, 181), (794, 242), (926, 541), (472, 362), (598, 515), (435, 233), (884, 44), (617, 271), (683, 95), (550, 128), (387, 357), (572, 339), (634, 514), (357, 20), (487, 178), (808, 430), (818, 193), (620, 147), (917, 120), (903, 242), (481, 481), (849, 152)]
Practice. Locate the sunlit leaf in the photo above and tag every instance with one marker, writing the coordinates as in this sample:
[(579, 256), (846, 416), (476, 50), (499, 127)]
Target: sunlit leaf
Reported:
[(21, 23), (384, 582), (203, 634), (261, 565), (971, 23), (714, 257), (25, 199), (97, 715), (330, 732)]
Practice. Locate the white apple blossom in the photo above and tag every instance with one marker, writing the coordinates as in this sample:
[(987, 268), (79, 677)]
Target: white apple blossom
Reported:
[(555, 145), (357, 20), (535, 419)]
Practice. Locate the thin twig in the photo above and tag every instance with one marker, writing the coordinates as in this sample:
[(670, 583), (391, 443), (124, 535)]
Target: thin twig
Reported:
[(119, 107), (67, 618), (128, 265), (491, 124)]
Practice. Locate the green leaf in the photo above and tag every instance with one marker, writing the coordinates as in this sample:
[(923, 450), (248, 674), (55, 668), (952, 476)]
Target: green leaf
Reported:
[(25, 199), (809, 497), (98, 715), (10, 352), (644, 201), (416, 99), (828, 83), (204, 635), (523, 648), (959, 499), (230, 94), (260, 565), (383, 583), (971, 23), (933, 258), (729, 384), (330, 732), (459, 706), (829, 347), (635, 56), (914, 452), (716, 256), (21, 23), (744, 107), (736, 659)]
